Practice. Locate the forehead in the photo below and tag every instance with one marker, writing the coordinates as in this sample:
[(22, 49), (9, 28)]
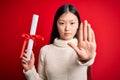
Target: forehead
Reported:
[(68, 16)]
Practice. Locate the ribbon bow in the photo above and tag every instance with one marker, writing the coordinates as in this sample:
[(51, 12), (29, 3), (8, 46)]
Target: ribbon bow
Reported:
[(27, 37)]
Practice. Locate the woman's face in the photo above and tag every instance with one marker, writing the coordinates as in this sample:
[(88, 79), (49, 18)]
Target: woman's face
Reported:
[(67, 25)]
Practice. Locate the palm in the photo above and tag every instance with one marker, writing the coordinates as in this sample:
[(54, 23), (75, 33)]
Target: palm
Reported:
[(86, 42), (86, 48)]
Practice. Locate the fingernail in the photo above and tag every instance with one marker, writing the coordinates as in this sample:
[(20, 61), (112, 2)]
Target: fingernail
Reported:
[(85, 21), (25, 51), (89, 25)]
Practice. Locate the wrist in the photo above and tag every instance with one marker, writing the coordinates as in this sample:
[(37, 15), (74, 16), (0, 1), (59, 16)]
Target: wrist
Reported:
[(27, 69)]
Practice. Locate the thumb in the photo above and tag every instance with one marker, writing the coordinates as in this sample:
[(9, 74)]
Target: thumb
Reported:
[(74, 47), (81, 52)]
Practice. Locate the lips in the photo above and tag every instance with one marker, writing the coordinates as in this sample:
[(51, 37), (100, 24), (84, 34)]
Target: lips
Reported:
[(67, 34)]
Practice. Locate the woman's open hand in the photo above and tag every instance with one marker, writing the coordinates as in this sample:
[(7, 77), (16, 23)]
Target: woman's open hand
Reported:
[(86, 42)]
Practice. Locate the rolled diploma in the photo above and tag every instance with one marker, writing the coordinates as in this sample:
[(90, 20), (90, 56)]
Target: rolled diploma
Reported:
[(32, 32)]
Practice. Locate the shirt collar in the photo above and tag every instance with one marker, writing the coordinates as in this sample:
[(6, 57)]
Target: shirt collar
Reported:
[(64, 43)]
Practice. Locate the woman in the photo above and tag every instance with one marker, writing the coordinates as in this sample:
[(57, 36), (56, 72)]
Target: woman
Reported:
[(71, 51)]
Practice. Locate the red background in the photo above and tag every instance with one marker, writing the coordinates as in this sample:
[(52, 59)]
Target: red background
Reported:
[(16, 17)]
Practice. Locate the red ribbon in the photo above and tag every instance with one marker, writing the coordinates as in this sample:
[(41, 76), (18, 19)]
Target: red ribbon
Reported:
[(27, 37)]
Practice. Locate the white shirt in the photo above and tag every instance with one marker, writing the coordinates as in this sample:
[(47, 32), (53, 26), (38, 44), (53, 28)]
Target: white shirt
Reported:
[(58, 61)]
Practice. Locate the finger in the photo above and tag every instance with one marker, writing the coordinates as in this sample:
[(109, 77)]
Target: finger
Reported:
[(89, 33), (93, 35), (77, 50), (80, 52), (25, 59), (24, 62), (25, 51), (80, 33), (85, 30), (25, 55), (32, 56), (74, 47)]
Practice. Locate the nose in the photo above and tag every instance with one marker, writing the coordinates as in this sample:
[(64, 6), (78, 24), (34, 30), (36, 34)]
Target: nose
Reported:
[(67, 28)]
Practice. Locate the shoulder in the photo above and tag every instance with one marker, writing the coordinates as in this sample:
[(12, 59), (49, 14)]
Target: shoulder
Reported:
[(46, 48)]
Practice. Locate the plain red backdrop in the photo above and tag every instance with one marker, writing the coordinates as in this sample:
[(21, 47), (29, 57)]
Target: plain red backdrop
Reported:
[(16, 17)]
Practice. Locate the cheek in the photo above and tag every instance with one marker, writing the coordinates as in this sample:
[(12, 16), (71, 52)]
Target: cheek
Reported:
[(60, 29), (74, 29)]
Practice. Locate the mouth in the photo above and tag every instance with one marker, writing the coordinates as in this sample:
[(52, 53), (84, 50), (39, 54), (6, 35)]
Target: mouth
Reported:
[(67, 34)]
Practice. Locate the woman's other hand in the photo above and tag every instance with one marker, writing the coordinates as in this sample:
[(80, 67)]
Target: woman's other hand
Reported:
[(27, 65)]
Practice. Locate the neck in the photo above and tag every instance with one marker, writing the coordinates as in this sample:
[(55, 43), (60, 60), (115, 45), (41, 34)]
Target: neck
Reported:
[(64, 43)]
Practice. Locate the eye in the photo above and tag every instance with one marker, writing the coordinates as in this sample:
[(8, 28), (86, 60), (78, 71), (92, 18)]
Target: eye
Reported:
[(72, 23), (61, 23)]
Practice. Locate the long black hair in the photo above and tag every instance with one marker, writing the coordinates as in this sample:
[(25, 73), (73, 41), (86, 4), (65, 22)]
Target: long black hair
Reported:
[(60, 11), (55, 33)]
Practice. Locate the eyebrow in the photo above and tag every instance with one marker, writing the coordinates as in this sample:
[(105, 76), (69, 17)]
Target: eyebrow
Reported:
[(64, 20)]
